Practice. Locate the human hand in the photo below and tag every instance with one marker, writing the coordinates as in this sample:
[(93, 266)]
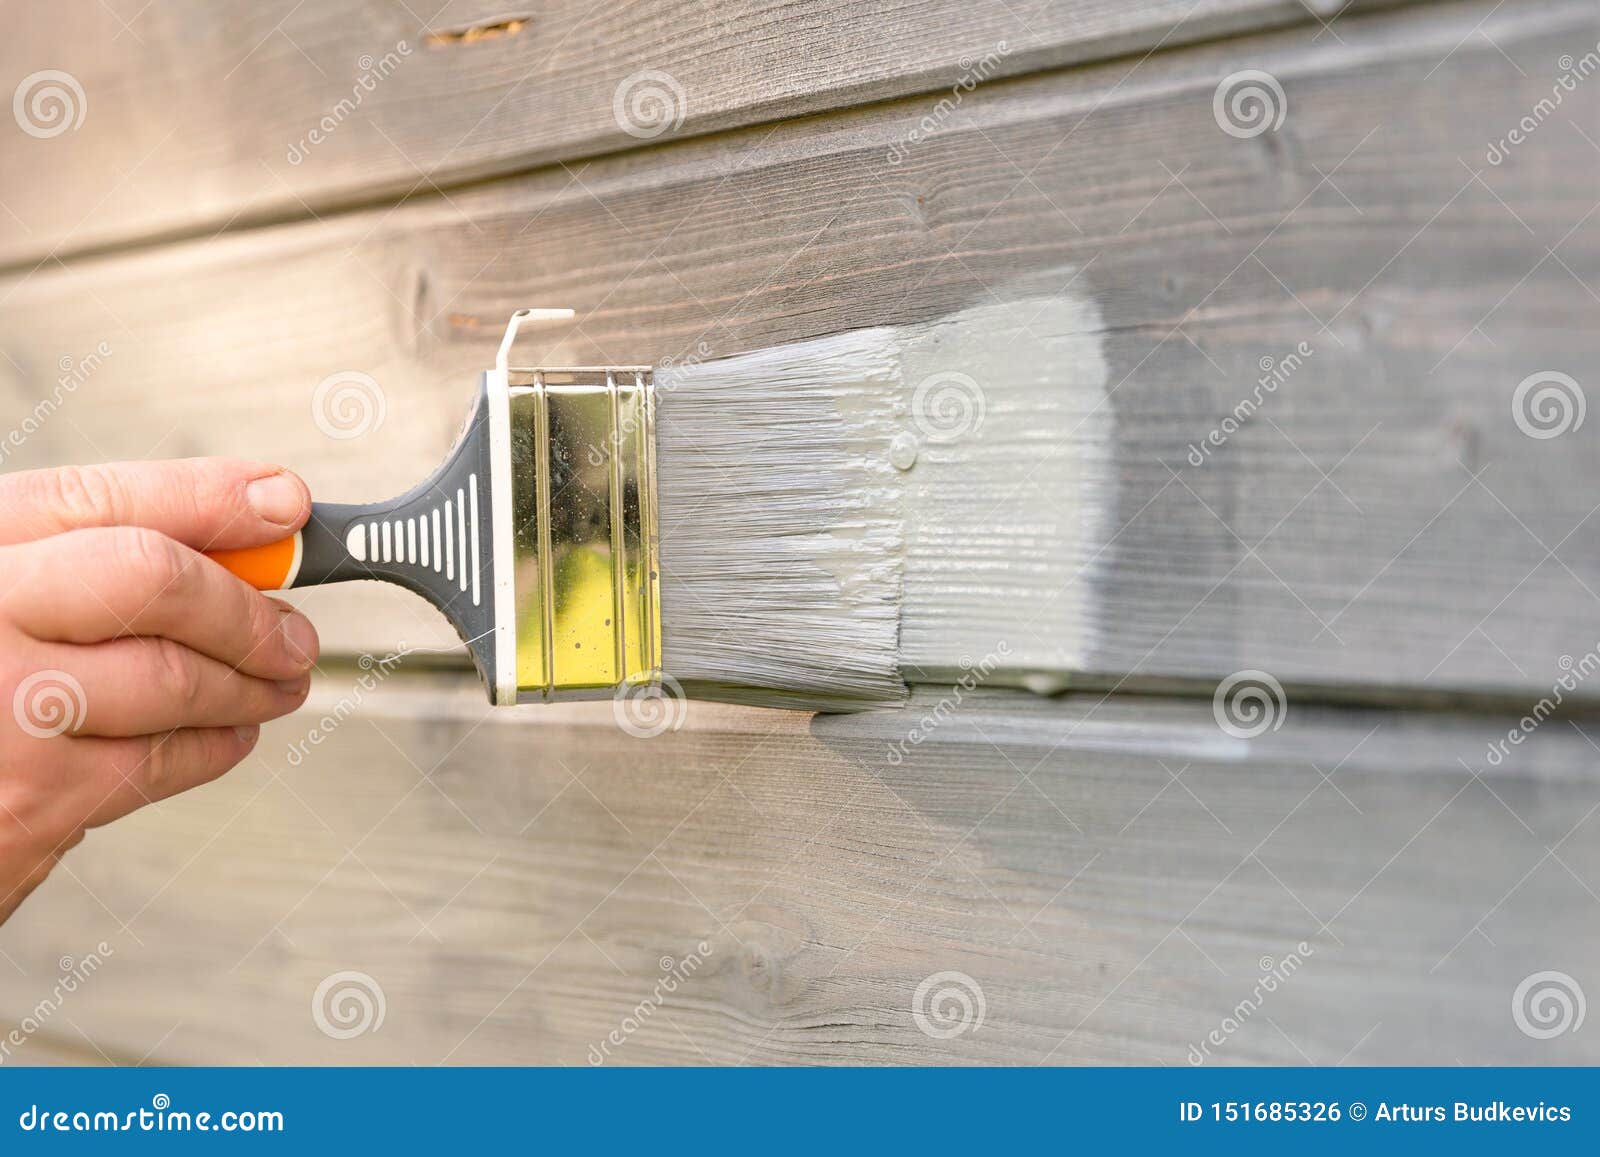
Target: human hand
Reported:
[(133, 666)]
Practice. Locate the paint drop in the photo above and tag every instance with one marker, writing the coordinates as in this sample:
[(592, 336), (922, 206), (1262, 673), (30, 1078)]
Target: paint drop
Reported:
[(903, 451), (1043, 683)]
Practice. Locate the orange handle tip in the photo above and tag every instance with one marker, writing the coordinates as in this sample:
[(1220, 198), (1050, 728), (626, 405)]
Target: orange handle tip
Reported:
[(267, 568)]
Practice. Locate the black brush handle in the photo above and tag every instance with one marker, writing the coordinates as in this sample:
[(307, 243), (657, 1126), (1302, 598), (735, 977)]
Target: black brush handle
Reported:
[(436, 539)]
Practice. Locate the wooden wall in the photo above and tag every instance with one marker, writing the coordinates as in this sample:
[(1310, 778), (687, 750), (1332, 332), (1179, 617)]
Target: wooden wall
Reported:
[(1111, 868)]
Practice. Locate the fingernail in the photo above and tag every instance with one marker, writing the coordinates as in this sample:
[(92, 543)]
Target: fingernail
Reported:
[(277, 498), (294, 686), (247, 735), (300, 637)]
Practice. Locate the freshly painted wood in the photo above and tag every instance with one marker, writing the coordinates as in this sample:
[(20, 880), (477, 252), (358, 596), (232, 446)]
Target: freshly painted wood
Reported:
[(1381, 522), (1114, 877), (201, 114)]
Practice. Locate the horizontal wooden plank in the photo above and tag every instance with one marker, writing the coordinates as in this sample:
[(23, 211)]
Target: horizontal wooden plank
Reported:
[(1381, 520), (1114, 878), (198, 114)]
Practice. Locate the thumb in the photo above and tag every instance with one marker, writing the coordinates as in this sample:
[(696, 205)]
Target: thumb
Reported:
[(204, 503)]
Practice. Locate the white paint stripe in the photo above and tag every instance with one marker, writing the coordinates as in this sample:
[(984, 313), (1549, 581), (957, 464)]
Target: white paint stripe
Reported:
[(461, 533), (411, 540), (438, 547), (388, 541), (422, 540), (372, 541), (449, 543), (477, 559)]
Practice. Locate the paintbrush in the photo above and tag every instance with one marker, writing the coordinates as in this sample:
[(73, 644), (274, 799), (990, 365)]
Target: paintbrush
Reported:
[(730, 526)]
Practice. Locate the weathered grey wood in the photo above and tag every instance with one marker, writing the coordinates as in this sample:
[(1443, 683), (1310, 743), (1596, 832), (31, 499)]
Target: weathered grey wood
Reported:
[(1109, 874), (1368, 226), (195, 109)]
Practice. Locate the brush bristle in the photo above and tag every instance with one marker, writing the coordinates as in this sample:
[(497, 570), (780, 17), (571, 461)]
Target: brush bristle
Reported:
[(780, 518)]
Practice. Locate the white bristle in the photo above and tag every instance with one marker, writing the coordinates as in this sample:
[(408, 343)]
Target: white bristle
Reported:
[(781, 523)]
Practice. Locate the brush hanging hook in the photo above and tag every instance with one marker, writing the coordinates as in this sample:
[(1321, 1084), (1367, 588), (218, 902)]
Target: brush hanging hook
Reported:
[(518, 320)]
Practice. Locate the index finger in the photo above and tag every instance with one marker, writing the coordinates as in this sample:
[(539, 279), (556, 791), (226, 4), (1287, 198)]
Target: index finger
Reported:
[(204, 503), (94, 585)]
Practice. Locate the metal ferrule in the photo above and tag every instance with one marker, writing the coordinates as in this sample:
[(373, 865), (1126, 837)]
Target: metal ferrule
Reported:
[(583, 576)]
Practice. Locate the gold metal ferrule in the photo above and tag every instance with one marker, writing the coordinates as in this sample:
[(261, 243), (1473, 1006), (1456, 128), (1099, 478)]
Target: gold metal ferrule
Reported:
[(585, 569)]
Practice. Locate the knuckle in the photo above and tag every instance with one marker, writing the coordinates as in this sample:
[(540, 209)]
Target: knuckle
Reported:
[(155, 766), (177, 761), (178, 672), (154, 558), (84, 495), (263, 617)]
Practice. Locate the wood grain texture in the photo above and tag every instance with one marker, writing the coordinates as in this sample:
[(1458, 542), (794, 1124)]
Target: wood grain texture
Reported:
[(1113, 876), (202, 113), (1381, 522)]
